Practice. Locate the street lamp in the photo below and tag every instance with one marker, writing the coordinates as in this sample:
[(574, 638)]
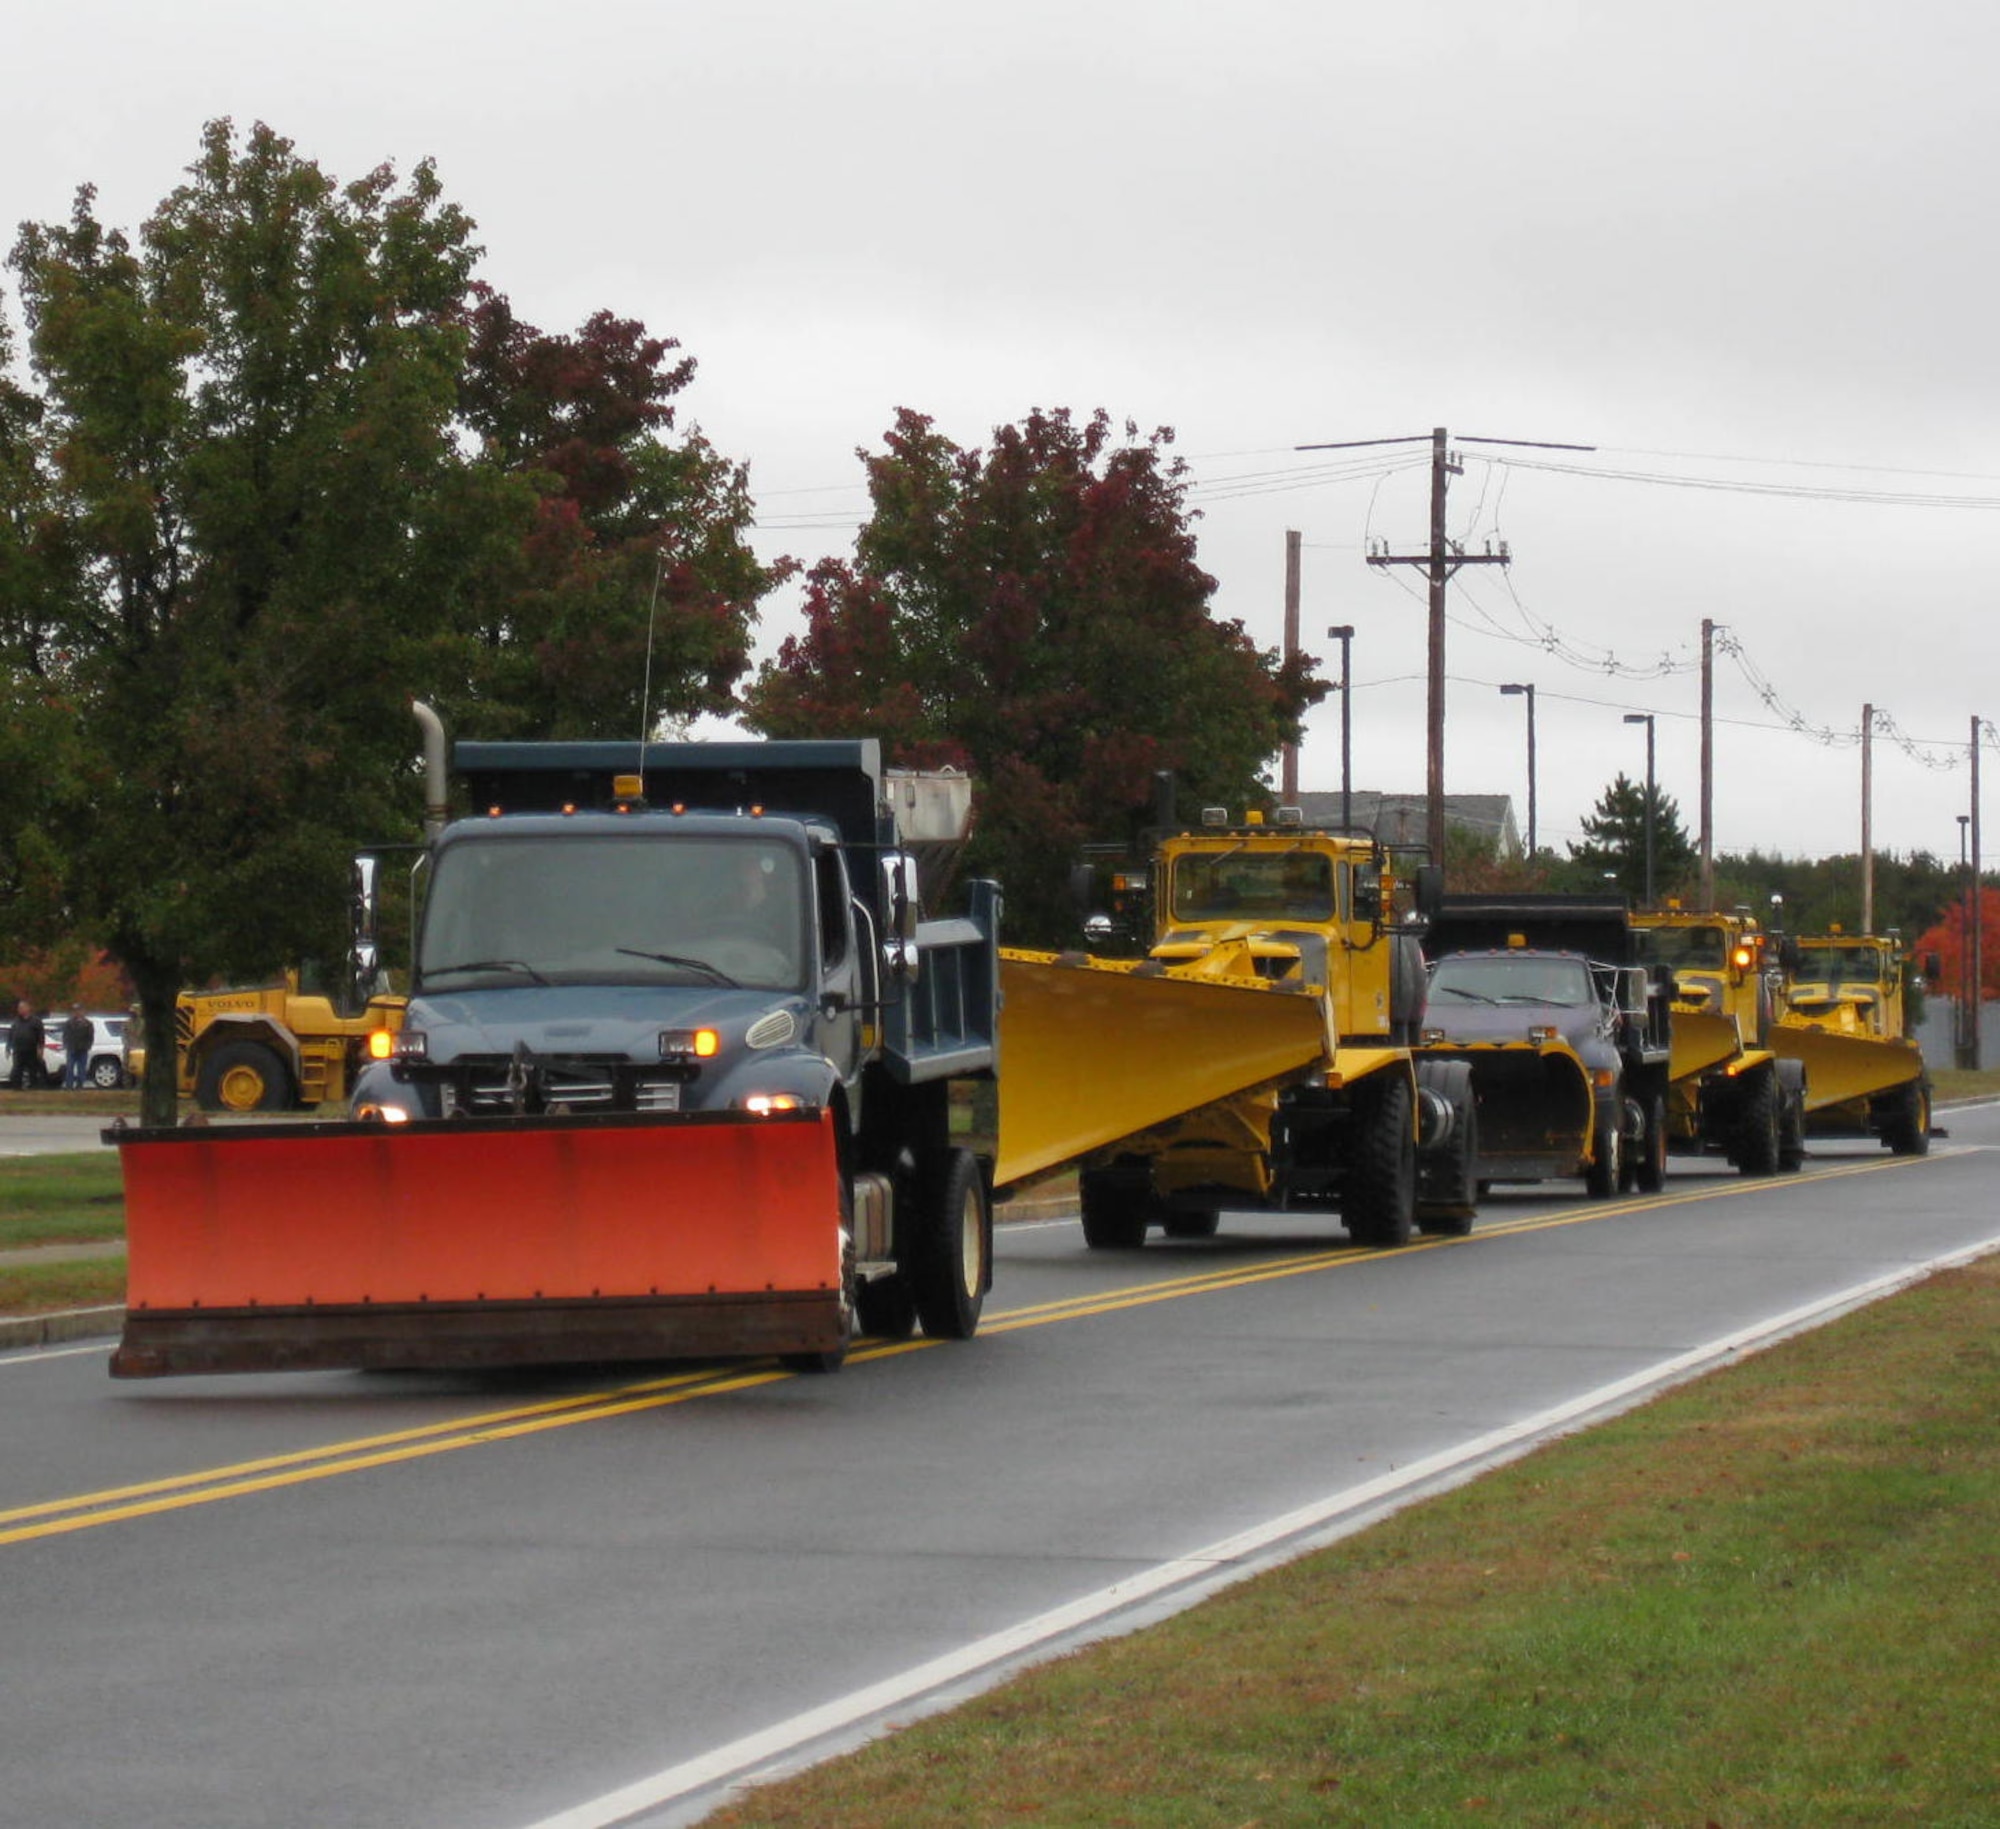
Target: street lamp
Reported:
[(1529, 690), (1344, 634), (1646, 718)]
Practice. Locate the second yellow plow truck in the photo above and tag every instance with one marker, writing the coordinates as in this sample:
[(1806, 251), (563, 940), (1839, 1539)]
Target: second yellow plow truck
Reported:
[(1844, 1020), (1261, 1054), (1728, 1091)]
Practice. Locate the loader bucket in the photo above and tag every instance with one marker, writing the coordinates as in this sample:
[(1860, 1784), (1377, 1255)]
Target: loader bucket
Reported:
[(505, 1242), (1094, 1050), (1534, 1107), (1843, 1067)]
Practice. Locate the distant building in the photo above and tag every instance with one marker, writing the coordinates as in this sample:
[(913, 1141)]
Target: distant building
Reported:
[(1403, 819)]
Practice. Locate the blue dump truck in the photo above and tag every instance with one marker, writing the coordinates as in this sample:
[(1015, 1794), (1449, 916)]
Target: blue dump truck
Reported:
[(674, 1079)]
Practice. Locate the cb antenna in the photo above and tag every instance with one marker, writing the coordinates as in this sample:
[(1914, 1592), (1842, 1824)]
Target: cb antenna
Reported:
[(646, 682)]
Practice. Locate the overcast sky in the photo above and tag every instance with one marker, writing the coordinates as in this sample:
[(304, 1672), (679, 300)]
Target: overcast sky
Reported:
[(1745, 250)]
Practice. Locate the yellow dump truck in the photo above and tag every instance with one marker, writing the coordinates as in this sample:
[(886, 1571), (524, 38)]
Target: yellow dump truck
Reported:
[(1843, 1017), (1728, 1090), (1260, 1055)]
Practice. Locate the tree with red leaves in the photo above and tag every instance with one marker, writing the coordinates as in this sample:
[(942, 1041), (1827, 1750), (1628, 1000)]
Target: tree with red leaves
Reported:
[(635, 569), (1948, 942), (1036, 612)]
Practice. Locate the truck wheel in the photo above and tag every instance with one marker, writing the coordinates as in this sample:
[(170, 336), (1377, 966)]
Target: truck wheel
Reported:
[(1649, 1172), (1378, 1203), (1908, 1132), (1792, 1127), (953, 1247), (1116, 1210), (1605, 1169), (1448, 1185), (1757, 1125), (243, 1076)]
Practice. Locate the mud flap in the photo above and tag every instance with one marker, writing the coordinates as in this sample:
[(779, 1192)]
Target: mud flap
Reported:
[(495, 1243)]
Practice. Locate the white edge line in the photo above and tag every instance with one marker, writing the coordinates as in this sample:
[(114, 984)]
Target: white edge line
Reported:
[(1217, 1565)]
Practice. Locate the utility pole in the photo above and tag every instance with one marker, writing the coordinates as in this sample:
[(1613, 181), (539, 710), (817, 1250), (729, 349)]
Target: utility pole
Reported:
[(1439, 561), (1707, 763), (1344, 634), (1978, 913), (1288, 791), (1867, 819)]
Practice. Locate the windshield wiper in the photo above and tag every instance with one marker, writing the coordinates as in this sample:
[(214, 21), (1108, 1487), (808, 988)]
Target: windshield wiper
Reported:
[(714, 973), (486, 965), (1456, 990)]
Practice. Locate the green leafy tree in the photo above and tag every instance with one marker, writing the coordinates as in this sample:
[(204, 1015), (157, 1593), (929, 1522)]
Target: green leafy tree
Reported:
[(282, 462), (1035, 611), (1615, 844)]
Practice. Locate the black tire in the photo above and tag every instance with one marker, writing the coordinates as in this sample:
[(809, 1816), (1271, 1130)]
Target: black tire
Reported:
[(1448, 1178), (1378, 1204), (952, 1252), (243, 1076), (1908, 1132), (818, 1365), (1116, 1210), (886, 1307), (1757, 1125), (1605, 1170), (1649, 1171), (1792, 1126)]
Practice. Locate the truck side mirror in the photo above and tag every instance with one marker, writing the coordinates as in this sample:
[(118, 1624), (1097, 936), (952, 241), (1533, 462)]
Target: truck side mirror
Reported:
[(1368, 894), (902, 908), (1429, 890), (364, 952)]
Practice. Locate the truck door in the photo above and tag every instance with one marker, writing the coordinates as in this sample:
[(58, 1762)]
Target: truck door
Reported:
[(840, 986)]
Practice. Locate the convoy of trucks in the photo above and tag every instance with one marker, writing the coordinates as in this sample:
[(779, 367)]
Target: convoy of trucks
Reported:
[(674, 1074)]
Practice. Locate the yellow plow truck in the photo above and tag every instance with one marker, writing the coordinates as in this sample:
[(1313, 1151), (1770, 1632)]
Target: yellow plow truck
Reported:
[(1728, 1090), (1843, 1018), (1261, 1055)]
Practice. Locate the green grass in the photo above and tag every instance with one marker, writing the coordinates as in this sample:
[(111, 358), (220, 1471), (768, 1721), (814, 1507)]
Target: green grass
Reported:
[(40, 1289), (1768, 1598), (46, 1200)]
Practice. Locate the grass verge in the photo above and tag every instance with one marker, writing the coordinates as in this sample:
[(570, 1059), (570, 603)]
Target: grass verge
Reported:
[(50, 1200), (1766, 1598), (43, 1289)]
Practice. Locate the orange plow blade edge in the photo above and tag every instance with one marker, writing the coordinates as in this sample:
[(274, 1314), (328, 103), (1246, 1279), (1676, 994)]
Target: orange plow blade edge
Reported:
[(508, 1242)]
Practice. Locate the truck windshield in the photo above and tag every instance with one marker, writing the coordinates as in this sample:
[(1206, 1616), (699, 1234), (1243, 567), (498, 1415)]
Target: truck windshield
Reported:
[(1841, 964), (1243, 885), (643, 909), (1698, 946), (1499, 979)]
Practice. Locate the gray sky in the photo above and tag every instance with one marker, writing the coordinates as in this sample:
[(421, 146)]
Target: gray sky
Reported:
[(1743, 249)]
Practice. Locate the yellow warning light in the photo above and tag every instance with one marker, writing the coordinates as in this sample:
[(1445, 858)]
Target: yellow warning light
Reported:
[(628, 787)]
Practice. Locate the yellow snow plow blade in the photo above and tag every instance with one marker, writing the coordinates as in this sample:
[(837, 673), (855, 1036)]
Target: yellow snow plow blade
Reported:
[(1701, 1039), (279, 1247), (1093, 1050), (1843, 1067)]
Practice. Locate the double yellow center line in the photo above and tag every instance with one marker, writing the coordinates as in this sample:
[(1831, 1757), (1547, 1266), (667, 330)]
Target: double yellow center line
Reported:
[(180, 1492)]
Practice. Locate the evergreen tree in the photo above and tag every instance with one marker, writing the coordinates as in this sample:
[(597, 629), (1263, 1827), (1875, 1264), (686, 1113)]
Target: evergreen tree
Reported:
[(1614, 844)]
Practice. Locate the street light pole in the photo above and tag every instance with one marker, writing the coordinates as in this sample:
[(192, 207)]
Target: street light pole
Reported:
[(1646, 718), (1529, 690), (1344, 634)]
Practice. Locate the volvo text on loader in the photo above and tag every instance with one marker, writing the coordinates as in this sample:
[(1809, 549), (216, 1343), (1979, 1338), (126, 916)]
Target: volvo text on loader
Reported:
[(1259, 1056), (672, 1081)]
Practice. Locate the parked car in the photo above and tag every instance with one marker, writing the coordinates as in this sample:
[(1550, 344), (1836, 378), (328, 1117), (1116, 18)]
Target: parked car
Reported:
[(107, 1069)]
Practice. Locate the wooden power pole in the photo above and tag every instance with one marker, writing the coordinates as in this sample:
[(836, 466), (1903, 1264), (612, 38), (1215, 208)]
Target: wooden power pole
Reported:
[(1439, 561)]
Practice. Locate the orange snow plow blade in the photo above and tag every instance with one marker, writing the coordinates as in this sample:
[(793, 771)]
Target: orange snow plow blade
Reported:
[(506, 1242)]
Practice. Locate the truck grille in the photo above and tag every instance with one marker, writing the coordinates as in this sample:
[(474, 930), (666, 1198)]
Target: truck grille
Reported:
[(497, 1085)]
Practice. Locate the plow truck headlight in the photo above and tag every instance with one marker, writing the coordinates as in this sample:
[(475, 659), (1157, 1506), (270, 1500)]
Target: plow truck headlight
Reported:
[(765, 1103), (372, 1113), (411, 1045), (689, 1044)]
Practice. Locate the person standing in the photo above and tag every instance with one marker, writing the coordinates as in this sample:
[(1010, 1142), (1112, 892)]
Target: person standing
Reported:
[(26, 1041), (78, 1032)]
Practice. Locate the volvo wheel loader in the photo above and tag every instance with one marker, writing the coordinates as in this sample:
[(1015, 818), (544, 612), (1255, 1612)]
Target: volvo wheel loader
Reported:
[(1728, 1091), (1842, 1017), (1566, 1038), (673, 1080), (1260, 1055)]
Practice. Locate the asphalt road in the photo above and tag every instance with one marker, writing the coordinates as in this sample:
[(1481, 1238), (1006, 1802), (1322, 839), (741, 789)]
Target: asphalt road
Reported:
[(412, 1601)]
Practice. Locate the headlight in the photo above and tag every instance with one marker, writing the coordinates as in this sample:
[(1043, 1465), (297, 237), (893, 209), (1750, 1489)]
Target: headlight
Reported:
[(411, 1045), (381, 1114), (684, 1044), (765, 1103)]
